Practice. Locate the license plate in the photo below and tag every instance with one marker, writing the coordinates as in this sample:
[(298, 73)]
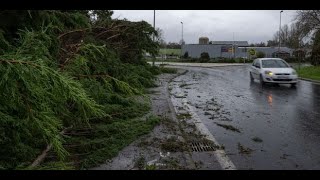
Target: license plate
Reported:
[(283, 77)]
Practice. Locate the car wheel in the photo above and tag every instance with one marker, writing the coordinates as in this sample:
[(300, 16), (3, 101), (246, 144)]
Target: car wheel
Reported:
[(293, 85), (251, 77), (261, 80)]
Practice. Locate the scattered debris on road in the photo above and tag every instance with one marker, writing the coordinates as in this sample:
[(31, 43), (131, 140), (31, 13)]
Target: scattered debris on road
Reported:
[(244, 150), (256, 139), (229, 127)]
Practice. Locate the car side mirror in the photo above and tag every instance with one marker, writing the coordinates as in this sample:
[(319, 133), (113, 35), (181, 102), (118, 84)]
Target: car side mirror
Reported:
[(258, 67)]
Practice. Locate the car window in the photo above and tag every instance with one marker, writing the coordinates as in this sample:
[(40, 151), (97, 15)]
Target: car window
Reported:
[(274, 64), (257, 63), (254, 63)]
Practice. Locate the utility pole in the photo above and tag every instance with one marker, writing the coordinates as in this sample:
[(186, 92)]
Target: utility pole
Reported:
[(233, 49), (181, 37), (154, 26), (279, 34)]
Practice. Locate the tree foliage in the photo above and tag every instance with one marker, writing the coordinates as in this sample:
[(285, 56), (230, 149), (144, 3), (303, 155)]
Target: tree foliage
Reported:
[(316, 49), (260, 54), (309, 19), (310, 24), (291, 36), (64, 69)]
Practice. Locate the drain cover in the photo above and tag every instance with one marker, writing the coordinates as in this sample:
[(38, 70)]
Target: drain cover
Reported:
[(202, 146)]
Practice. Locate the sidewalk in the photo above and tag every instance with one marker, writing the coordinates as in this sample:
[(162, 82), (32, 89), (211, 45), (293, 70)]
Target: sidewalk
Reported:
[(165, 147)]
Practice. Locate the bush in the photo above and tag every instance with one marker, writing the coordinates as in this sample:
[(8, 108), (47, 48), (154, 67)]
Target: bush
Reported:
[(260, 54), (215, 60), (314, 60), (186, 55), (249, 60), (225, 60), (293, 59), (204, 57), (194, 60), (240, 60)]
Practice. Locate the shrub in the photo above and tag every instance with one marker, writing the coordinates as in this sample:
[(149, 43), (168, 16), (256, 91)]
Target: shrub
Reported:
[(204, 57), (260, 54), (293, 59), (186, 55)]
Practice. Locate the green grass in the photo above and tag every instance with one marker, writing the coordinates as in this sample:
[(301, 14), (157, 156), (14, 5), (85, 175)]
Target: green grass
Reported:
[(176, 52), (310, 72), (168, 70)]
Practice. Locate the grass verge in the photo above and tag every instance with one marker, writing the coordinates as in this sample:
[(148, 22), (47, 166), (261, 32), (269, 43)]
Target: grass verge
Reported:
[(309, 72)]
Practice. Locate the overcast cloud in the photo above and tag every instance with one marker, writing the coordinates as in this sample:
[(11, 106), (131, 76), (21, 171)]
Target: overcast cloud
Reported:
[(252, 26)]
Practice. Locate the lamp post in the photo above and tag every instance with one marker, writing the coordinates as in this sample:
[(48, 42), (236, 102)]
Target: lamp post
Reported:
[(279, 34), (182, 33), (181, 36), (154, 26)]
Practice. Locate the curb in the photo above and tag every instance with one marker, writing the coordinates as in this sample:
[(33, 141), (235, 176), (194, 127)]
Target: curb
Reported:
[(224, 65), (188, 157), (310, 80)]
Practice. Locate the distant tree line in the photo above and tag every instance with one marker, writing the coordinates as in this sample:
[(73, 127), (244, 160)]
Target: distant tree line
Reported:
[(261, 44), (303, 33)]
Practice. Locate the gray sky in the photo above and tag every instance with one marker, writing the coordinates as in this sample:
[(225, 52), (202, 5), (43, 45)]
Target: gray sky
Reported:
[(247, 25)]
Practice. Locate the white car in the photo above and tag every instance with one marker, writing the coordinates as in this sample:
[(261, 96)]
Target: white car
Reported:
[(273, 70)]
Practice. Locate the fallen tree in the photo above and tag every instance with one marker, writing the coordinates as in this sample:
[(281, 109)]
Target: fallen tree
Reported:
[(61, 69)]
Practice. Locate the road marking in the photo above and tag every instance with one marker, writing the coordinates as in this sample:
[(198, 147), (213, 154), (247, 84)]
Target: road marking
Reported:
[(220, 155)]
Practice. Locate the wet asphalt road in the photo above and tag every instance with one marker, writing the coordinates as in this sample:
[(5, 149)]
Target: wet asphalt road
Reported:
[(286, 119)]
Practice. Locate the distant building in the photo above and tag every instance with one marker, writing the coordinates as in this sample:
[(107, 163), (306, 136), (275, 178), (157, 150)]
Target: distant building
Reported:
[(270, 51), (226, 49), (237, 43), (203, 40), (231, 49)]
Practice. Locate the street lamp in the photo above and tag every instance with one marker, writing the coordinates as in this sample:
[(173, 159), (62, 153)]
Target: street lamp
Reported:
[(182, 33), (280, 33), (181, 37), (154, 26)]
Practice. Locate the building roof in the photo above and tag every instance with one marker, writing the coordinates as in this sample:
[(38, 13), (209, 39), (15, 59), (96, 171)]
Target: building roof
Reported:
[(238, 43), (270, 49)]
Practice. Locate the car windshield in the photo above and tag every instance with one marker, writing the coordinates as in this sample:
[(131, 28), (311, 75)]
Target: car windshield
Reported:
[(274, 64)]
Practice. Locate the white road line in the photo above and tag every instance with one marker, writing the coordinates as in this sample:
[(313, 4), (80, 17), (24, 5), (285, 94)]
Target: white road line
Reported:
[(221, 156)]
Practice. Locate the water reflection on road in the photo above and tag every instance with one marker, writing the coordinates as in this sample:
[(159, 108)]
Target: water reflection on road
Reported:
[(286, 119)]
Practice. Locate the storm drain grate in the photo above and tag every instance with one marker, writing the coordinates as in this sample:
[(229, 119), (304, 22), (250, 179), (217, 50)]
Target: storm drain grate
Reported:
[(202, 146)]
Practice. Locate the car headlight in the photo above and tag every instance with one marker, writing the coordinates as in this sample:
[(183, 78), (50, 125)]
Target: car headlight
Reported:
[(294, 73), (268, 73)]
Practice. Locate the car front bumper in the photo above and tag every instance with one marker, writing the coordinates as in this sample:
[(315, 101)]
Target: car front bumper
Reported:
[(287, 79)]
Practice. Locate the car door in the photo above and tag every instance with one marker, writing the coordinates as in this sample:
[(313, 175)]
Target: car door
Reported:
[(255, 69)]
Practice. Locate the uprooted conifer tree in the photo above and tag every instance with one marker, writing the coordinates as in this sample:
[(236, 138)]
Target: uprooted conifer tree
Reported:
[(62, 71)]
